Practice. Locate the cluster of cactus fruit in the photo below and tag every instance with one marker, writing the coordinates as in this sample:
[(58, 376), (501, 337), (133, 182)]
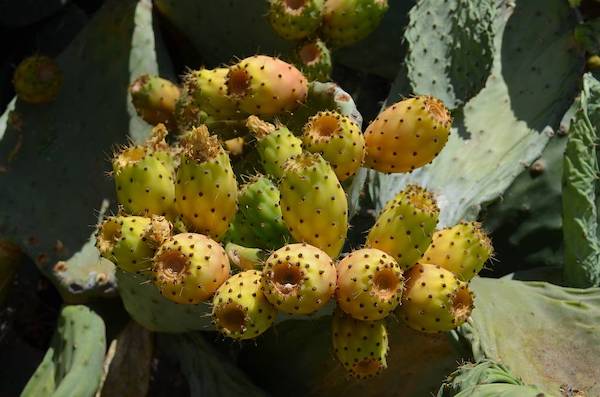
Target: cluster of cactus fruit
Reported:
[(313, 25), (186, 217)]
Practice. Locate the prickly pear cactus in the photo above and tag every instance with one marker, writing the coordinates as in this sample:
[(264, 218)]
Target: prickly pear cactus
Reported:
[(505, 126), (72, 365), (65, 144)]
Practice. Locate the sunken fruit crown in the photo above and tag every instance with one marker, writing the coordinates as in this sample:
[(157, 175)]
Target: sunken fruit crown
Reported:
[(407, 135), (369, 284), (361, 346), (338, 139), (131, 241), (313, 58), (405, 226), (206, 188), (240, 309), (144, 176), (435, 300), (299, 279), (189, 267)]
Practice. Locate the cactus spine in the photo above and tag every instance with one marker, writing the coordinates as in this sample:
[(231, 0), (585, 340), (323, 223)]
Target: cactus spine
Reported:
[(407, 135), (299, 278), (206, 188), (313, 203), (338, 139), (189, 267), (405, 226), (240, 309), (361, 346)]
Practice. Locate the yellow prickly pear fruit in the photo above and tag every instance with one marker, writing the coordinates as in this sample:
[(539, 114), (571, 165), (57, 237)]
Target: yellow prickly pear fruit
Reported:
[(369, 284), (434, 299), (299, 279), (208, 89), (154, 99), (405, 226), (407, 135), (240, 309), (463, 249), (189, 267), (338, 139), (206, 188), (361, 346)]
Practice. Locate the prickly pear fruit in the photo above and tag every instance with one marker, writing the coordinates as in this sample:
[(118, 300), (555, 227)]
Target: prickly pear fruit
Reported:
[(369, 284), (405, 226), (187, 113), (407, 135), (245, 258), (154, 99), (434, 299), (275, 145), (144, 177), (347, 21), (37, 79), (313, 58), (258, 209), (313, 203), (463, 249), (206, 188), (130, 242), (265, 86), (295, 19), (299, 278), (189, 267), (240, 309), (361, 346), (338, 139), (209, 92)]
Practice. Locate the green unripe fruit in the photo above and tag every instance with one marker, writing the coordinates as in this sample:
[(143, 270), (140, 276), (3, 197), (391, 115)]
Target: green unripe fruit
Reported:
[(206, 188), (275, 145), (313, 203), (338, 139), (154, 99), (347, 21), (144, 177), (361, 346), (434, 299), (130, 242), (240, 309), (369, 284), (295, 19), (245, 258), (313, 58), (463, 249), (189, 267), (299, 279), (37, 79), (405, 226)]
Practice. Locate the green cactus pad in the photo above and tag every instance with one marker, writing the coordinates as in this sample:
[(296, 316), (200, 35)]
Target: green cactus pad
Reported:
[(299, 279), (361, 346), (338, 139), (313, 203), (295, 19), (73, 364), (240, 309), (369, 284)]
